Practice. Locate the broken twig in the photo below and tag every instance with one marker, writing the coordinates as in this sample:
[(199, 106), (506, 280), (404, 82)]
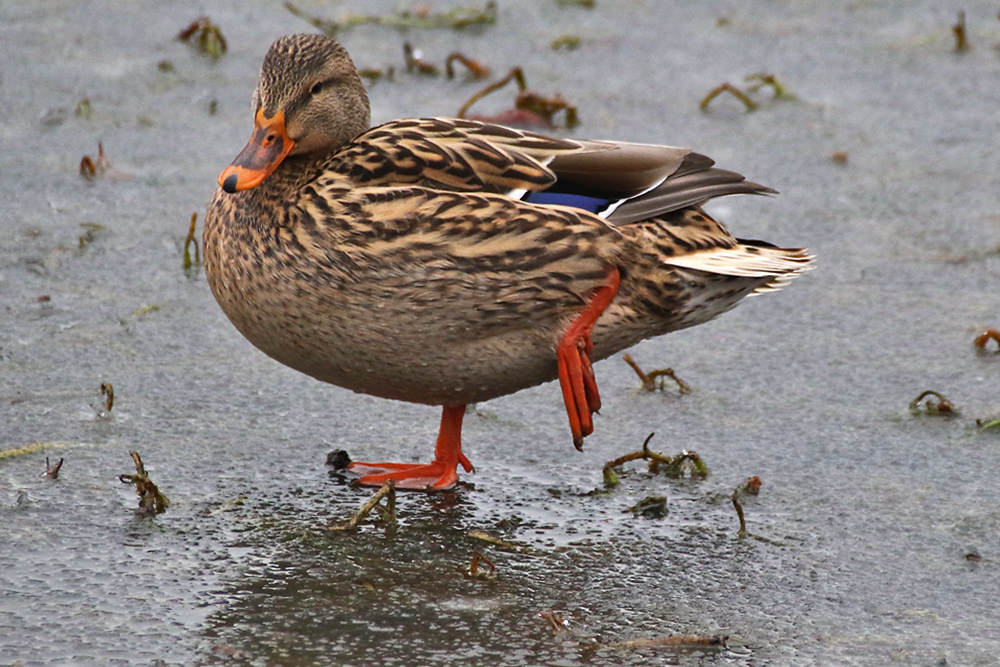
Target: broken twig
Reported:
[(108, 392), (676, 641), (476, 69), (497, 542), (649, 380), (388, 513), (750, 486), (761, 79), (727, 88), (190, 240), (961, 38)]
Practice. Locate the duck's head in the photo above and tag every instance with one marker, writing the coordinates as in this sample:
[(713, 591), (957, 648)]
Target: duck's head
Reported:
[(310, 101)]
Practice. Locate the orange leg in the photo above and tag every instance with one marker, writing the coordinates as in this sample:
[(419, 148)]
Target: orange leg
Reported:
[(576, 374), (439, 474)]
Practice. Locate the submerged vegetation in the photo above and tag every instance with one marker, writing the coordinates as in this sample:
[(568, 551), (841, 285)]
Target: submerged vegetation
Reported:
[(685, 463), (151, 499), (91, 167), (933, 404), (983, 339), (530, 108), (205, 36), (757, 82), (403, 19)]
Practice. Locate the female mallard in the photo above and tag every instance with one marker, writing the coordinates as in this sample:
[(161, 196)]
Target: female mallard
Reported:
[(447, 262)]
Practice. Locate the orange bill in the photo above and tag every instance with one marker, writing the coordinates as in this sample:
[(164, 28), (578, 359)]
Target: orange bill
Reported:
[(267, 148)]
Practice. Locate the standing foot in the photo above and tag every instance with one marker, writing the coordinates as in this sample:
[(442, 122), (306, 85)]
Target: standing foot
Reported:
[(438, 475)]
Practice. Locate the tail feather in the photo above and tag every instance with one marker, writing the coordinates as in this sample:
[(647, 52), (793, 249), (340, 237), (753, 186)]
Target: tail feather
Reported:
[(748, 260)]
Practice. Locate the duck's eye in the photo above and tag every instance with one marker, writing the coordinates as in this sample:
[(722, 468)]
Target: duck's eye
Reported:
[(316, 87)]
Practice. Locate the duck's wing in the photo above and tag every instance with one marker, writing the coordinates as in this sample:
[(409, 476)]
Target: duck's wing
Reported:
[(452, 154), (619, 181), (626, 182)]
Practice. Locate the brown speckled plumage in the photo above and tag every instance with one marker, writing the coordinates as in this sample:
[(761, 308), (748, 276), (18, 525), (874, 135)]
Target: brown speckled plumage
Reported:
[(402, 262)]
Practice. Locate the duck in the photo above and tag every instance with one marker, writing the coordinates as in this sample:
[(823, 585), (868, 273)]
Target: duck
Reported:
[(447, 262)]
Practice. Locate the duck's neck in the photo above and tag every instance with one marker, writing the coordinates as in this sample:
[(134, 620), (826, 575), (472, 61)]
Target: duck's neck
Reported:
[(291, 176), (269, 203)]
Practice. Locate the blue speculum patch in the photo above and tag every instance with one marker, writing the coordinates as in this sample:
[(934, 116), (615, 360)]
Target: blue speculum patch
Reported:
[(592, 204)]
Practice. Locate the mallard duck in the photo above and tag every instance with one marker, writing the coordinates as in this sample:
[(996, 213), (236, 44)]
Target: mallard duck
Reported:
[(447, 262)]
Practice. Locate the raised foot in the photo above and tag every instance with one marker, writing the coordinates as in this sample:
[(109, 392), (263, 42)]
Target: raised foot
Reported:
[(576, 374), (433, 476)]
